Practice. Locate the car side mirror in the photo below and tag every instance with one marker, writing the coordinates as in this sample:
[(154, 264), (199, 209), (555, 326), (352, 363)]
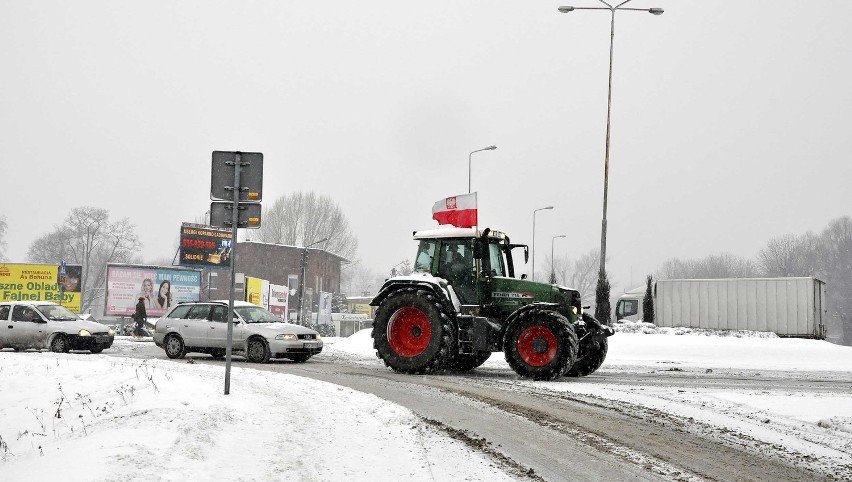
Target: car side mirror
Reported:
[(38, 320), (524, 276)]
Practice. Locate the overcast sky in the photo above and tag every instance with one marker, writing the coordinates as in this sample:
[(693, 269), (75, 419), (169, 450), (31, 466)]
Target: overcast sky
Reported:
[(730, 126)]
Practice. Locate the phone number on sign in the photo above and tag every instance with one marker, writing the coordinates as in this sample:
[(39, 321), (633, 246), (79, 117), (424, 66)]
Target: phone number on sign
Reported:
[(198, 243)]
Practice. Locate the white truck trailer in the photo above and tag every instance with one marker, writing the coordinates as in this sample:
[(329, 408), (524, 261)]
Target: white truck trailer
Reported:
[(790, 307)]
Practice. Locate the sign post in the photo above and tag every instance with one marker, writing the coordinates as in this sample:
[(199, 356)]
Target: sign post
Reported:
[(236, 182)]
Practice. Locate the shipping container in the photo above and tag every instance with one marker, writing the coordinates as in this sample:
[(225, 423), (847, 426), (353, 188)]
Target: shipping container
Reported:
[(790, 307)]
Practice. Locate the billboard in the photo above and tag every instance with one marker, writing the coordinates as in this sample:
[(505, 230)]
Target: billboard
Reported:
[(40, 282), (257, 291), (278, 295), (161, 287), (202, 245)]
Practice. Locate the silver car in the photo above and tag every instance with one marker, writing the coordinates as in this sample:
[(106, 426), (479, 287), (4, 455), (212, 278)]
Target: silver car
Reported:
[(202, 327), (42, 324)]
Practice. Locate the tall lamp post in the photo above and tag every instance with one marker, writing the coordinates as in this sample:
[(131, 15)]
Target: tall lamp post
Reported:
[(533, 239), (489, 148), (304, 273), (612, 9), (552, 269)]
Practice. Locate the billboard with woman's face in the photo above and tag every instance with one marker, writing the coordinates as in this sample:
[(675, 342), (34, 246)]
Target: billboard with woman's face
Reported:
[(159, 288)]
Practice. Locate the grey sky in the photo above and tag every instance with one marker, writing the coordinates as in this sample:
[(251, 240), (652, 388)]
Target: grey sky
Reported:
[(730, 125)]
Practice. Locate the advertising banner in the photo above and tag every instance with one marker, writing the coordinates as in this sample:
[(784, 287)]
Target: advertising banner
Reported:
[(257, 291), (202, 245), (162, 288), (278, 295), (41, 282)]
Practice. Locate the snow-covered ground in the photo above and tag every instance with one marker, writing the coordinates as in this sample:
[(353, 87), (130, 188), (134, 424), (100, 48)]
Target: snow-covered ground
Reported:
[(97, 417)]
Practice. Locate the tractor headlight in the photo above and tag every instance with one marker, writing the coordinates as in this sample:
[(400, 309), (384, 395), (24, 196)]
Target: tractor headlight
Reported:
[(286, 337), (84, 333), (574, 309)]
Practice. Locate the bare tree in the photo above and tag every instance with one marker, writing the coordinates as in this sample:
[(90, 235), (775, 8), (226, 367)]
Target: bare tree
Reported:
[(87, 237), (580, 274), (3, 227), (789, 255), (299, 219), (358, 280)]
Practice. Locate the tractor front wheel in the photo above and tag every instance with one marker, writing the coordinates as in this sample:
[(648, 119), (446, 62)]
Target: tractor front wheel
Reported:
[(412, 332), (591, 357), (540, 344)]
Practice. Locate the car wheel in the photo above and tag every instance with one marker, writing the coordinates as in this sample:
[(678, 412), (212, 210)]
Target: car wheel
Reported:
[(59, 344), (174, 347), (217, 353), (96, 350), (257, 351), (300, 358)]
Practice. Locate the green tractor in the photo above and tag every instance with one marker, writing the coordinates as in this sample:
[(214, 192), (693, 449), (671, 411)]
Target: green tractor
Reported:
[(463, 302)]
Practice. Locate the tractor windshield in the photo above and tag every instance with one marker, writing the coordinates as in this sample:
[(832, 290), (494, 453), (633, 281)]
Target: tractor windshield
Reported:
[(425, 254)]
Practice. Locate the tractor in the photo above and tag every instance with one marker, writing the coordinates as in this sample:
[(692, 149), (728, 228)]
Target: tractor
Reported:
[(462, 302)]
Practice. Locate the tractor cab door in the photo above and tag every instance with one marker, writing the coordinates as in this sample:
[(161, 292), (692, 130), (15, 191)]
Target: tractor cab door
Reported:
[(456, 265)]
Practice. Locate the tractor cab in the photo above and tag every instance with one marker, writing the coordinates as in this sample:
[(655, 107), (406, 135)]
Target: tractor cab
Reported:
[(467, 259)]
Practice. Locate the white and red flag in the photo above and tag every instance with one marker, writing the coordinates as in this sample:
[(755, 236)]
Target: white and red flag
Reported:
[(460, 211)]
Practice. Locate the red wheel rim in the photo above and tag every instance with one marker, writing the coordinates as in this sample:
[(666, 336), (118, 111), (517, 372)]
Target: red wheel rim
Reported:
[(537, 346), (409, 332)]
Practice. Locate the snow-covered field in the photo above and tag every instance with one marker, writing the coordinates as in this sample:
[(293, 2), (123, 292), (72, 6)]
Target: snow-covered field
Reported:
[(97, 417)]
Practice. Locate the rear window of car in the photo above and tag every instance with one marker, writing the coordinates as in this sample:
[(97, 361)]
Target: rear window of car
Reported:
[(180, 311), (198, 312)]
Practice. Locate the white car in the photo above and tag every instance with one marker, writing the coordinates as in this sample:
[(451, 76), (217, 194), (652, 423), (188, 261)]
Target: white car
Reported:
[(42, 324), (202, 326)]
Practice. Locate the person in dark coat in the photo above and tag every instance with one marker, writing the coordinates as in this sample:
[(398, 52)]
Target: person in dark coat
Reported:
[(140, 317)]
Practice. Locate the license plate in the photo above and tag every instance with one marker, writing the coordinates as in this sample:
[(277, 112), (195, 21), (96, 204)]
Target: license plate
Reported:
[(310, 345)]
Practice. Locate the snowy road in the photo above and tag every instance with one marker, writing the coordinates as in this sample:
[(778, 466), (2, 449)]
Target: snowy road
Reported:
[(668, 418)]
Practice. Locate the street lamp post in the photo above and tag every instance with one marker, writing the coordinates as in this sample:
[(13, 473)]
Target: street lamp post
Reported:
[(489, 148), (304, 273), (612, 9), (552, 269), (533, 239)]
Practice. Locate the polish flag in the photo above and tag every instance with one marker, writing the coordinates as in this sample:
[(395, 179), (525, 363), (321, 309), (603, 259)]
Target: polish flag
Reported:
[(460, 211)]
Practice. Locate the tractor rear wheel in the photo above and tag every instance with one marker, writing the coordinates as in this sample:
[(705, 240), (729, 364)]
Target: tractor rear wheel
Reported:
[(466, 363), (412, 332), (591, 356), (540, 344)]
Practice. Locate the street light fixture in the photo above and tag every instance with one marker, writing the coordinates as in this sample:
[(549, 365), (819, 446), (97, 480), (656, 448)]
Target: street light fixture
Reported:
[(304, 273), (533, 239), (612, 9), (552, 269), (489, 148)]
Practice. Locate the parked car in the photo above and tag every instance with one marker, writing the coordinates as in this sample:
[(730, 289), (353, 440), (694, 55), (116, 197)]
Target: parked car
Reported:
[(46, 325), (202, 327)]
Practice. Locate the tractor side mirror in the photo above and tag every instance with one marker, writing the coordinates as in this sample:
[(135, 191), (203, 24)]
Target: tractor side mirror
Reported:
[(480, 245)]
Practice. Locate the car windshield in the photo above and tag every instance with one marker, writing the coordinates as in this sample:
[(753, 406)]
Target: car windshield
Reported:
[(57, 313), (256, 314)]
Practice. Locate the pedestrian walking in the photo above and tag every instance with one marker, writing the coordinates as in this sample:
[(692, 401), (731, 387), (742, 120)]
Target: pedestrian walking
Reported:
[(140, 317)]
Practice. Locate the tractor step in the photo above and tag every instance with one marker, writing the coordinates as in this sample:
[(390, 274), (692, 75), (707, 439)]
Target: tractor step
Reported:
[(478, 333)]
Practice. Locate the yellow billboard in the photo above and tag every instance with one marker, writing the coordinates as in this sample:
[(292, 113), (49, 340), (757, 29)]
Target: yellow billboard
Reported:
[(257, 291), (40, 282)]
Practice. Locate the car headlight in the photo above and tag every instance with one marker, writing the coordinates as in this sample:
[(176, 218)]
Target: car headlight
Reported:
[(85, 333), (319, 337), (111, 332), (287, 337)]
